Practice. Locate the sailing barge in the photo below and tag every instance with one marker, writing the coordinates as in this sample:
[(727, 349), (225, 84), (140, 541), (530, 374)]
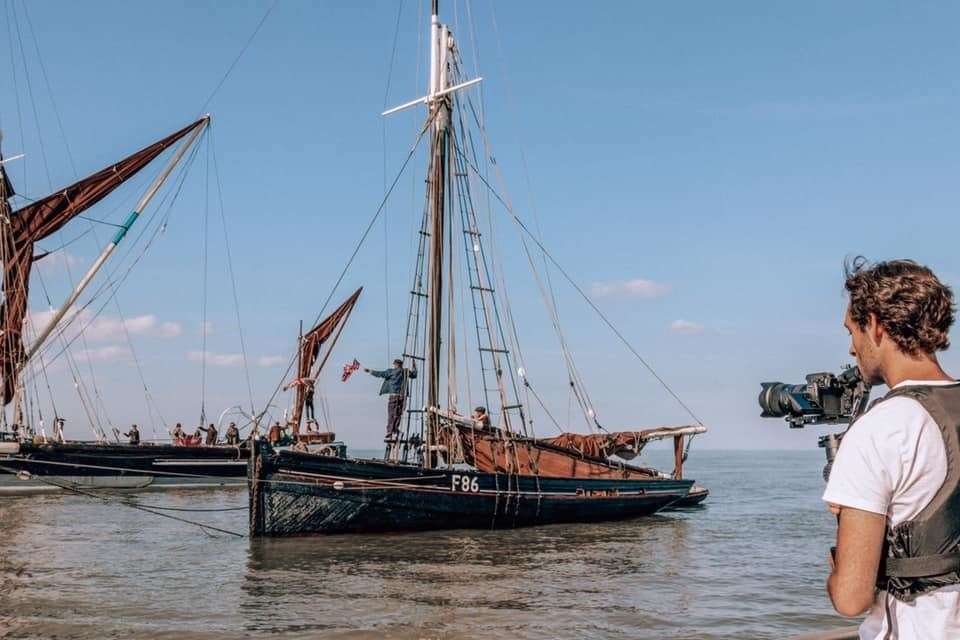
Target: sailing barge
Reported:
[(29, 468), (29, 463), (444, 470)]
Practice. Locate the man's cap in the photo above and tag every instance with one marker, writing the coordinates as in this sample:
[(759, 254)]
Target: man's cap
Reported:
[(480, 409), (398, 361)]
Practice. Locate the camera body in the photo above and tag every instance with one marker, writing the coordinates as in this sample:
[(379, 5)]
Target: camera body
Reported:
[(825, 398)]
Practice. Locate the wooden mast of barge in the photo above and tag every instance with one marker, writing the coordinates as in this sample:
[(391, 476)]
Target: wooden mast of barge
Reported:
[(440, 116)]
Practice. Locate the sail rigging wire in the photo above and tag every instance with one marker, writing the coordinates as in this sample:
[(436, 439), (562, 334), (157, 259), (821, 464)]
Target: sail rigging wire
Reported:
[(77, 382), (126, 503), (203, 288), (151, 404), (582, 293), (549, 301), (356, 249), (550, 295), (383, 137), (243, 50), (233, 278), (111, 283)]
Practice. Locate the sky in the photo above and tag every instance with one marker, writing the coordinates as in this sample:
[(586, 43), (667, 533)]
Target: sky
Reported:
[(701, 170)]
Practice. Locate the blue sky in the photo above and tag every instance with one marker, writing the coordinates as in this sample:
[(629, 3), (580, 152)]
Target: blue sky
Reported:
[(702, 169)]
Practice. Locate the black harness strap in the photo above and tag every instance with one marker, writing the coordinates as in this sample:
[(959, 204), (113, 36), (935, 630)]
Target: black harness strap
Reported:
[(922, 566)]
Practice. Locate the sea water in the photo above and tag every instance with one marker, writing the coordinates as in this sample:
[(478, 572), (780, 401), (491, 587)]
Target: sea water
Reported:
[(751, 563)]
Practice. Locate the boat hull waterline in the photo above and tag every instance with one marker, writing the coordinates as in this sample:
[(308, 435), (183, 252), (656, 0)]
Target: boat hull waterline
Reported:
[(297, 494), (55, 467)]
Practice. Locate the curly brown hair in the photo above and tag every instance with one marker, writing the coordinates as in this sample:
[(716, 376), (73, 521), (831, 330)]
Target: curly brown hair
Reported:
[(909, 301)]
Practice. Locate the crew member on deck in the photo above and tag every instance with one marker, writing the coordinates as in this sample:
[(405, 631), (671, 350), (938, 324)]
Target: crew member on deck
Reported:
[(233, 434), (481, 417), (275, 433), (211, 434), (133, 434), (395, 386), (308, 398), (178, 434)]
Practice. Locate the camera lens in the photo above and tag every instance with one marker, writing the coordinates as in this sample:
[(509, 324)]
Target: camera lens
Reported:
[(774, 399)]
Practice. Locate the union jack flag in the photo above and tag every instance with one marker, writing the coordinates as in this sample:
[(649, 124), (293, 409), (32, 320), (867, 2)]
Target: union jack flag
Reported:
[(349, 368)]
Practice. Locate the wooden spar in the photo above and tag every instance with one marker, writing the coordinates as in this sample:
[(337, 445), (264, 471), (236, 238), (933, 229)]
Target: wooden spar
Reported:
[(102, 258), (678, 457), (437, 185)]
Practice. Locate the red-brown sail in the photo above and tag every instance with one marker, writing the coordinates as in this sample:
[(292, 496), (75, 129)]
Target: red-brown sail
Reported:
[(310, 348), (37, 221), (491, 452)]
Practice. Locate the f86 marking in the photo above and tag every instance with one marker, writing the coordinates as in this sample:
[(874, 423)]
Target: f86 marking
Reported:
[(464, 483)]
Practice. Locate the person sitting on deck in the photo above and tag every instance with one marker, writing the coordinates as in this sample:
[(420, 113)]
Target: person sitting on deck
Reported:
[(481, 417), (233, 434), (133, 434), (178, 434), (275, 433), (58, 430), (395, 386), (211, 434)]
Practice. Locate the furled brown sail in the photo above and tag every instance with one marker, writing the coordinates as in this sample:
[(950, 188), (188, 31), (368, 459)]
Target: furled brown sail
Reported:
[(310, 348), (37, 221)]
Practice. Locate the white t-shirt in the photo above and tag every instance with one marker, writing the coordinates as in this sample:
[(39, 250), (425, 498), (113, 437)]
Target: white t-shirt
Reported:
[(893, 462)]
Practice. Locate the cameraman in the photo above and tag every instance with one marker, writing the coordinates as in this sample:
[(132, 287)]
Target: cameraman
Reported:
[(895, 483)]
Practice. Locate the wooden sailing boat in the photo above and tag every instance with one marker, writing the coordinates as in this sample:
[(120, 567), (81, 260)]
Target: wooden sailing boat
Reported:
[(31, 463), (446, 470)]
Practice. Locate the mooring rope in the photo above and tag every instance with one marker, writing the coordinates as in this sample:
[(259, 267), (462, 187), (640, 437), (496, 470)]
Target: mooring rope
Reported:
[(109, 500)]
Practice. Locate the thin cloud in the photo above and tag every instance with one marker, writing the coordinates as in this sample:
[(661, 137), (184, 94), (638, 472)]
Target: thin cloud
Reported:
[(686, 327), (57, 261), (109, 353), (170, 330), (270, 361), (105, 328), (216, 359), (635, 288)]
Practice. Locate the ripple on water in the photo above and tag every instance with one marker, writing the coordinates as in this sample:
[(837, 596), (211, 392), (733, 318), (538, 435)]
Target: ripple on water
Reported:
[(750, 564)]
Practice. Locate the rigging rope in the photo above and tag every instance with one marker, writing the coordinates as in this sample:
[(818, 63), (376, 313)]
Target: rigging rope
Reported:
[(233, 279), (582, 293), (383, 136), (356, 250), (239, 55), (125, 503)]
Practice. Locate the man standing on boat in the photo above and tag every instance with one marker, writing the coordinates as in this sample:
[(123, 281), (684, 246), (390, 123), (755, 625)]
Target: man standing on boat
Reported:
[(895, 482), (395, 387), (233, 434), (211, 432), (133, 435)]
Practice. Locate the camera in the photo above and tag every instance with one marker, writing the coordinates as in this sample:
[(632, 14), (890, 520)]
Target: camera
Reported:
[(825, 398)]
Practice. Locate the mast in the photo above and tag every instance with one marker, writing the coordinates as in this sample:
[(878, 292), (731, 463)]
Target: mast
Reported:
[(440, 112), (102, 258), (438, 101)]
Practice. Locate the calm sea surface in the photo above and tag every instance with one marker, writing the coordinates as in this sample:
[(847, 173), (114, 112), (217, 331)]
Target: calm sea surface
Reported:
[(750, 564)]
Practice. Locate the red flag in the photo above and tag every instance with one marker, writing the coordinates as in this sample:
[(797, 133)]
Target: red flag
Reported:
[(348, 369)]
